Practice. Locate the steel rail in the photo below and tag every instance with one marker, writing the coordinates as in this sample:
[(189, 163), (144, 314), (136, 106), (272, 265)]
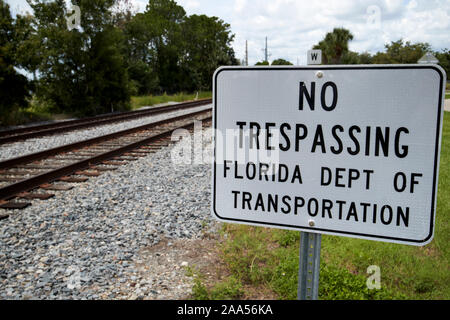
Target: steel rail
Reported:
[(14, 189), (81, 144), (9, 136)]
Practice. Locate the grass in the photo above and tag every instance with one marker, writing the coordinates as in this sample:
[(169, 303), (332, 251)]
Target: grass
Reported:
[(39, 111), (229, 288), (23, 116), (266, 258), (35, 112), (141, 101), (447, 96)]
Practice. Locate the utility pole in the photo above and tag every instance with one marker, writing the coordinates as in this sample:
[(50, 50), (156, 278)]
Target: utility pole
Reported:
[(266, 52), (246, 53), (266, 58)]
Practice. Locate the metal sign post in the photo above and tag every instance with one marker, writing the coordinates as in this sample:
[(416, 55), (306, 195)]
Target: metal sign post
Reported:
[(309, 266), (309, 263), (339, 150)]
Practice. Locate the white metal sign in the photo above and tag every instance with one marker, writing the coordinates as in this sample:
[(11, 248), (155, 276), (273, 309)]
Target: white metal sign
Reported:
[(428, 58), (343, 150), (314, 57)]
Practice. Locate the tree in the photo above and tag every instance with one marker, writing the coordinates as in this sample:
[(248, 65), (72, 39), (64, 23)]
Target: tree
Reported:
[(168, 51), (207, 45), (444, 60), (262, 63), (365, 58), (281, 62), (81, 72), (28, 50), (401, 52), (140, 37), (14, 87), (351, 57), (165, 18), (335, 45), (154, 47), (115, 53)]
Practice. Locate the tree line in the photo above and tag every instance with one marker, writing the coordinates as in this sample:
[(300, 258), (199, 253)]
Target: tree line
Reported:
[(335, 50), (113, 53)]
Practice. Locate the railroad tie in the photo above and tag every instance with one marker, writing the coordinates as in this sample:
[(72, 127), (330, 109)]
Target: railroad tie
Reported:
[(103, 168), (114, 163), (53, 187), (88, 173), (15, 173), (139, 151), (133, 154), (73, 179), (15, 205), (52, 169), (10, 179), (70, 158), (40, 196), (47, 129), (37, 166), (124, 158)]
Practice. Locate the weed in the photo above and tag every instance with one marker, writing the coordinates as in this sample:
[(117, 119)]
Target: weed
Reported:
[(150, 100), (266, 258)]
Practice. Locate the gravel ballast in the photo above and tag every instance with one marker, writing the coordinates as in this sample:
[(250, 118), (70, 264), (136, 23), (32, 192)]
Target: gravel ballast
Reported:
[(85, 243)]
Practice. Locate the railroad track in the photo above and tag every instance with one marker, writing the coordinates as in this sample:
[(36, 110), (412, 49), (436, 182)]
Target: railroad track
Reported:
[(33, 176), (19, 134)]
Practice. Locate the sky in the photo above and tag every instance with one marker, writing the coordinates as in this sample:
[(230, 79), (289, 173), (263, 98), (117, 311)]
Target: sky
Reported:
[(294, 26)]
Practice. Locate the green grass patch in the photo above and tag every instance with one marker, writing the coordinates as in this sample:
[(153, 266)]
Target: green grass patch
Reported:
[(23, 116), (43, 111), (150, 100), (35, 112), (268, 258), (229, 289), (447, 96)]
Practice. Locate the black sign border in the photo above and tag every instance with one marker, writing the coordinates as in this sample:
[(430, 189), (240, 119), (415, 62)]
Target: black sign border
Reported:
[(313, 229)]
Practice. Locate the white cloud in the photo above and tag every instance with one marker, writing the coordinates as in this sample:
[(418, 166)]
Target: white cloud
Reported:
[(139, 5), (189, 4), (294, 26), (239, 5)]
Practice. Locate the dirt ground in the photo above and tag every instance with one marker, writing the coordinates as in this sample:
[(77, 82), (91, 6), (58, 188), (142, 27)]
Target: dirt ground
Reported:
[(170, 261)]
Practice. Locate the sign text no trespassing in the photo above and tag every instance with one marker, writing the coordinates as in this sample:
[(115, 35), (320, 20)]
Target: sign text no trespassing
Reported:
[(350, 151)]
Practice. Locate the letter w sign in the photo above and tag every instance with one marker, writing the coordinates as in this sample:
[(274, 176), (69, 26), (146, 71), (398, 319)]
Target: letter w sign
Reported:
[(314, 56)]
